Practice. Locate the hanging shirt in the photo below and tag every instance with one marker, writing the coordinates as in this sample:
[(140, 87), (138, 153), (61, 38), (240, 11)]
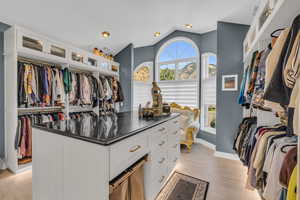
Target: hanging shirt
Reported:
[(292, 189)]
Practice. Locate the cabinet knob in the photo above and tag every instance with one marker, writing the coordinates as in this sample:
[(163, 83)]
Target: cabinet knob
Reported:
[(175, 122), (162, 161), (134, 149), (175, 133), (162, 143), (162, 129), (162, 179)]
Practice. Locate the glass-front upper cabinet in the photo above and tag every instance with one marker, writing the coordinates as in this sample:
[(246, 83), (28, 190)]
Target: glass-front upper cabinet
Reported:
[(32, 43), (77, 57), (93, 62), (105, 65), (57, 51)]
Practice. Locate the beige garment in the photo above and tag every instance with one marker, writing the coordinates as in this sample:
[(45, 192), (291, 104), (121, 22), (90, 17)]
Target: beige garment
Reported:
[(291, 69), (271, 64), (273, 58), (261, 151), (251, 172), (295, 103), (121, 192), (136, 185)]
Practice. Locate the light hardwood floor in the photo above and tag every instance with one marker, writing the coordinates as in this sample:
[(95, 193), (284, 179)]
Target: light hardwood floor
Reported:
[(226, 177)]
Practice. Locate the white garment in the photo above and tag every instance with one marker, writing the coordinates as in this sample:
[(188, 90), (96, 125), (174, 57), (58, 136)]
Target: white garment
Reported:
[(273, 187)]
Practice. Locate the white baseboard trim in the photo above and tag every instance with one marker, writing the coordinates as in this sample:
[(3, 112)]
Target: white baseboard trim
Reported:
[(219, 154), (229, 156), (2, 164), (205, 143)]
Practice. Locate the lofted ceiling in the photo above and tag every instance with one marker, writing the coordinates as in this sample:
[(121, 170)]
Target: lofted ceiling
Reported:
[(129, 21)]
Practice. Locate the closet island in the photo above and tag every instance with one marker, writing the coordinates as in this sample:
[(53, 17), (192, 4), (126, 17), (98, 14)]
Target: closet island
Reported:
[(75, 160)]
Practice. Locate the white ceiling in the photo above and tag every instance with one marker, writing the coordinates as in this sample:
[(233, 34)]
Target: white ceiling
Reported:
[(80, 22)]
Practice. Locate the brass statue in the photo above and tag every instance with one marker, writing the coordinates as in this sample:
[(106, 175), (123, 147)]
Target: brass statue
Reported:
[(158, 107), (157, 104), (156, 95)]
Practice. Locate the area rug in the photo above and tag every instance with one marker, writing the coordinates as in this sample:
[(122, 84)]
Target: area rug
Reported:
[(183, 187)]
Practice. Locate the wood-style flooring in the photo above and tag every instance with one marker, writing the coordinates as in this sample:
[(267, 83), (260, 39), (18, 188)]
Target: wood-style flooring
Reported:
[(226, 177)]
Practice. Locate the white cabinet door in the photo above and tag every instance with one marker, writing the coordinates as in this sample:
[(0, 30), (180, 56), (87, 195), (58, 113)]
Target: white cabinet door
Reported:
[(87, 177), (47, 166)]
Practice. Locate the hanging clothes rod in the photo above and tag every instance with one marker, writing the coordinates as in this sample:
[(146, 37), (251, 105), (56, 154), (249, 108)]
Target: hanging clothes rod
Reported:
[(39, 110), (38, 62), (127, 174)]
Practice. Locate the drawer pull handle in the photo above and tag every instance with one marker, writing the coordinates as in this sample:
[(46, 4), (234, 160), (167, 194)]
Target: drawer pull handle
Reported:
[(162, 129), (135, 148), (162, 143), (175, 133), (162, 179), (175, 122), (175, 146), (162, 161), (175, 159)]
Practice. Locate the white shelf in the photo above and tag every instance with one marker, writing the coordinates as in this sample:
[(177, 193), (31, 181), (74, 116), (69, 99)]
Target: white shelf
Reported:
[(282, 16)]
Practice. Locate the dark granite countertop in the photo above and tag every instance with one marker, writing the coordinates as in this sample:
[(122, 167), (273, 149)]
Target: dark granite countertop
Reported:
[(104, 130)]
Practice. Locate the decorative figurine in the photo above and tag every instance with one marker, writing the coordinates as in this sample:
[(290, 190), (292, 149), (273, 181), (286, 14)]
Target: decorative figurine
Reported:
[(158, 109)]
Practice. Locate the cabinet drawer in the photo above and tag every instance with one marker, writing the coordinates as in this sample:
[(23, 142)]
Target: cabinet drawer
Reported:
[(174, 136), (125, 153), (157, 143), (174, 124), (159, 131), (158, 180), (158, 160)]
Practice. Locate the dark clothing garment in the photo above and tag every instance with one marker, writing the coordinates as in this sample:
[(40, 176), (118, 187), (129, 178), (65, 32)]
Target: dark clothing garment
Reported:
[(288, 165), (277, 90)]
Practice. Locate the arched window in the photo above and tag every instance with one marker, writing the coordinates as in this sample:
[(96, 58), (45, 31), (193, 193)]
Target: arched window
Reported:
[(208, 92), (177, 71), (142, 84)]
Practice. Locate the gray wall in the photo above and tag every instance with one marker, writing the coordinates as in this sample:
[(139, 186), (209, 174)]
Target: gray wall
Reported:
[(143, 54), (206, 42), (125, 58), (3, 27), (230, 53)]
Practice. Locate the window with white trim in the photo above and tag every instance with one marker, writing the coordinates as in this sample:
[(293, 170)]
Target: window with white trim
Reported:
[(208, 92), (177, 72)]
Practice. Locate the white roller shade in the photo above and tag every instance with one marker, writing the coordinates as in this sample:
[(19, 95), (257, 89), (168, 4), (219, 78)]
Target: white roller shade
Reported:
[(209, 90), (142, 94), (182, 92)]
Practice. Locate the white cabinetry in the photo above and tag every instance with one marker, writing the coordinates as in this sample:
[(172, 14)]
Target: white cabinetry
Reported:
[(65, 168), (20, 42), (164, 154)]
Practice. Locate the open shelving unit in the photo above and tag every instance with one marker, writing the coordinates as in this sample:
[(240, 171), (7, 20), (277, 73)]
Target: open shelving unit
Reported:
[(271, 15), (22, 43)]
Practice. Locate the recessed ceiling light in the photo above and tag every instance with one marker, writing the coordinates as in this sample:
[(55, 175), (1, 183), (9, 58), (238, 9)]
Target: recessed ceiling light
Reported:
[(156, 34), (105, 34), (188, 25)]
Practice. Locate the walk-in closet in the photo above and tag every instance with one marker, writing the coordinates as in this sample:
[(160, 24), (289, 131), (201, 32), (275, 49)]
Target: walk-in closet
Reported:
[(149, 100)]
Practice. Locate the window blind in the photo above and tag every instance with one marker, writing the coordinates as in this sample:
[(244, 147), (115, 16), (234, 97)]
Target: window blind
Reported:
[(209, 91), (142, 94), (182, 92)]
